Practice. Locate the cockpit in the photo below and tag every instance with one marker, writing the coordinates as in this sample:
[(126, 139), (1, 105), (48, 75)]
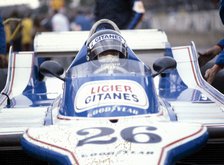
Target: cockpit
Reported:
[(120, 67)]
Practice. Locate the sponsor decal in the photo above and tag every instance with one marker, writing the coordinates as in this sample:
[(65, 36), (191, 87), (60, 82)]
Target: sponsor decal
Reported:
[(117, 153), (106, 37), (110, 93), (111, 109), (198, 97)]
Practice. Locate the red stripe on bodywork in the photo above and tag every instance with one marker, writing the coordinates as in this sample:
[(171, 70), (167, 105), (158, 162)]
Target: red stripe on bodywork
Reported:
[(54, 146)]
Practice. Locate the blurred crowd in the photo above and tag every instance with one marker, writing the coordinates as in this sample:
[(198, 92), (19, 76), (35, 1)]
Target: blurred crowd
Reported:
[(31, 22), (75, 16)]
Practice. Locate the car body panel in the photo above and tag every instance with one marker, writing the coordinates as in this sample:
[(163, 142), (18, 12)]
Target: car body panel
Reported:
[(89, 141)]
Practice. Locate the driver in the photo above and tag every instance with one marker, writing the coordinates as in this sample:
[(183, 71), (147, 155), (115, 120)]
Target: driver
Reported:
[(109, 56), (107, 46)]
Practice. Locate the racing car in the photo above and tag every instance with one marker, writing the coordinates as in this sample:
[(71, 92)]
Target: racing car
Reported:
[(109, 106)]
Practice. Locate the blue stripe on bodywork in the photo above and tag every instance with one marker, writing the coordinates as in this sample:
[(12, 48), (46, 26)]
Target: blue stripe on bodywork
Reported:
[(186, 149), (45, 154)]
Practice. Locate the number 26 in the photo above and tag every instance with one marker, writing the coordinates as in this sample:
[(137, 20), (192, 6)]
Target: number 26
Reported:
[(127, 134)]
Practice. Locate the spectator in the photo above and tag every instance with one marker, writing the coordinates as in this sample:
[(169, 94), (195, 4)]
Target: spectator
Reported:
[(209, 54), (221, 11), (125, 13), (2, 38), (27, 33), (82, 21), (3, 58), (15, 32), (60, 21), (45, 24)]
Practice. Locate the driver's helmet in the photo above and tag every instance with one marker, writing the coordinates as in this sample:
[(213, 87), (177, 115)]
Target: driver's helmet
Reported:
[(105, 44)]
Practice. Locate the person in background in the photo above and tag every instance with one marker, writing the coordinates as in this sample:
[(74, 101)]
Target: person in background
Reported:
[(82, 20), (125, 13), (14, 33), (60, 21), (221, 11), (27, 33), (210, 54), (217, 49), (3, 57)]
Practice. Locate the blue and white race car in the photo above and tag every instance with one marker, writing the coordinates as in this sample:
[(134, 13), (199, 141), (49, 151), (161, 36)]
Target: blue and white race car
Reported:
[(109, 107)]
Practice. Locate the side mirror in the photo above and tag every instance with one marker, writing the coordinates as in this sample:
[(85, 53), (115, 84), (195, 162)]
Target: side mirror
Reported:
[(52, 68), (162, 64)]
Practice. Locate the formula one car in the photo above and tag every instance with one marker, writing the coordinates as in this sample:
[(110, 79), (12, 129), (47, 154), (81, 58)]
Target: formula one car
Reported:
[(109, 107)]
